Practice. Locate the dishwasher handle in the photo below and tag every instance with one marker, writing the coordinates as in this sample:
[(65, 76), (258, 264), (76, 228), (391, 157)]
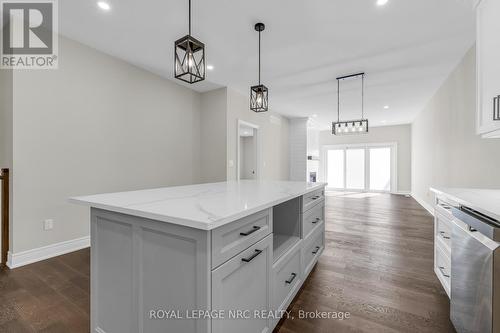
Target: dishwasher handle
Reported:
[(478, 222)]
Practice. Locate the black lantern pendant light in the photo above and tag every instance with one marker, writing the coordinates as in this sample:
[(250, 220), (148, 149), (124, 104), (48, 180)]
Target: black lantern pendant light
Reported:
[(189, 57), (259, 93), (350, 127)]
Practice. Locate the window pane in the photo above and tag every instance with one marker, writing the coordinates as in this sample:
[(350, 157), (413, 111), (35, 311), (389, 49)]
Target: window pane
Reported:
[(380, 169), (355, 169), (335, 161)]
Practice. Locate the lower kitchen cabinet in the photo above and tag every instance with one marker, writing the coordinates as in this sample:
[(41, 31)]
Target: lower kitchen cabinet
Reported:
[(312, 249), (287, 278), (244, 284), (243, 274)]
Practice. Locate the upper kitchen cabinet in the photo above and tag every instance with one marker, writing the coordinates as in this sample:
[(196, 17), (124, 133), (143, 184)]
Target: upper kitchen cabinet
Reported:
[(488, 69)]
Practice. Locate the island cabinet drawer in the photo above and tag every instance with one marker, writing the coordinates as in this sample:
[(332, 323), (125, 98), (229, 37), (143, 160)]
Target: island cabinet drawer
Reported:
[(312, 250), (309, 200), (287, 278), (442, 229), (244, 283), (234, 237), (311, 219), (443, 267)]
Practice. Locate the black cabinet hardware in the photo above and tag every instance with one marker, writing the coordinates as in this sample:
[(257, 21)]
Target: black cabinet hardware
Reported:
[(291, 278), (257, 252), (316, 251), (443, 234), (316, 221), (441, 268), (249, 232)]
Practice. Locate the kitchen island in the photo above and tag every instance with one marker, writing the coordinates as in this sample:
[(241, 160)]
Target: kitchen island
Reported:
[(221, 257)]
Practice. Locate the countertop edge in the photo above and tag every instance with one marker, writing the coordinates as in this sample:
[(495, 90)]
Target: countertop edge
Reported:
[(193, 223), (464, 202)]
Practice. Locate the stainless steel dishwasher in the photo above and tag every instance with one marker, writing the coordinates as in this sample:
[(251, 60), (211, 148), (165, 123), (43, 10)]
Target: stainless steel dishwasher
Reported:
[(475, 272)]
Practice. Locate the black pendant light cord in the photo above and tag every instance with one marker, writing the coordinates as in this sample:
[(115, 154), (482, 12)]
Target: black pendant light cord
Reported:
[(363, 96), (338, 100), (189, 17), (259, 57)]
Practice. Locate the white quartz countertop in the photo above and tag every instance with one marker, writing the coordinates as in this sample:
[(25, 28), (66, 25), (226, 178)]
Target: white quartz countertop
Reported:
[(202, 206), (484, 201)]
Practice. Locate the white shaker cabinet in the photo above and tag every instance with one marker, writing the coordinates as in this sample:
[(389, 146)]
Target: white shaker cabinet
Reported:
[(488, 68)]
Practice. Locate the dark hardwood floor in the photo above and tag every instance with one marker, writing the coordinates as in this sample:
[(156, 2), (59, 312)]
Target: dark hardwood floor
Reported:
[(377, 266)]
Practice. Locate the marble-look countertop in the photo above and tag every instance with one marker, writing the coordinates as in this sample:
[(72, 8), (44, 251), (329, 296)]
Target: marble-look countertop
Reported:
[(201, 206), (484, 201)]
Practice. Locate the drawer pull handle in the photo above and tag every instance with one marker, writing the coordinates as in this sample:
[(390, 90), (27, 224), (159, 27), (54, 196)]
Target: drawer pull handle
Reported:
[(315, 197), (291, 278), (250, 232), (441, 268), (252, 257), (443, 234), (316, 220), (316, 251)]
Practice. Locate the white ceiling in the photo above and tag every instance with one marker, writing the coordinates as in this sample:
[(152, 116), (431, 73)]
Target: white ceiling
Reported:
[(407, 48)]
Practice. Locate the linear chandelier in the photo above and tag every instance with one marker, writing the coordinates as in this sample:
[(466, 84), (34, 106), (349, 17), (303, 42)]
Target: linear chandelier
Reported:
[(350, 127), (189, 57), (259, 94)]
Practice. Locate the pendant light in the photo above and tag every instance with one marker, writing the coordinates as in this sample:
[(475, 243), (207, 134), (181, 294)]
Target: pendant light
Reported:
[(349, 127), (259, 93), (189, 57)]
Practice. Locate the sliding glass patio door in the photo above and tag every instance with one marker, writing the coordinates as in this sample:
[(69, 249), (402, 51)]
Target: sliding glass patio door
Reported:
[(360, 168)]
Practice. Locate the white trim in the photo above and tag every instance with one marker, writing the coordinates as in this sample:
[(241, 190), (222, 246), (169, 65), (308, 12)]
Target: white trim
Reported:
[(19, 259), (424, 204), (257, 148), (408, 193)]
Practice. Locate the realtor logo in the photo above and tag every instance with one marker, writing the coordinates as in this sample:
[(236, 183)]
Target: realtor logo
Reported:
[(29, 34)]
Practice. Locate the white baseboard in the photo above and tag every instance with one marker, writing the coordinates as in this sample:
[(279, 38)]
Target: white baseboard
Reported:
[(19, 259), (402, 193), (424, 204)]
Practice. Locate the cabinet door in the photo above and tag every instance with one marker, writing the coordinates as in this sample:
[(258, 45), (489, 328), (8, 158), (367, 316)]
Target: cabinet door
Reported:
[(488, 64), (244, 284)]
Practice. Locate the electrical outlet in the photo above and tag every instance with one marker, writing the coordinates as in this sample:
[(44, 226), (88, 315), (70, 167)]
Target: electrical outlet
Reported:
[(48, 224)]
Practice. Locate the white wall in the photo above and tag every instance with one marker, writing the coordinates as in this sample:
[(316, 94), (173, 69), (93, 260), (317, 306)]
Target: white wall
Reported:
[(213, 135), (446, 151), (6, 129), (273, 137), (298, 149), (401, 134), (96, 124)]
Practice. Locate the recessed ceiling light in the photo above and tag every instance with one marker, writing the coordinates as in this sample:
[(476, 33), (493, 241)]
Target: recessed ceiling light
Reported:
[(383, 121), (210, 67), (104, 5), (386, 107), (382, 2)]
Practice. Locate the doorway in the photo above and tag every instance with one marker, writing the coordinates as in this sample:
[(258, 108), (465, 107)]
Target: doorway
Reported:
[(360, 168), (248, 151)]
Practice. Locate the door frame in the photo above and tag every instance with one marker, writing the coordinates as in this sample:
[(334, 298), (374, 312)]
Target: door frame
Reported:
[(323, 170), (255, 127)]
